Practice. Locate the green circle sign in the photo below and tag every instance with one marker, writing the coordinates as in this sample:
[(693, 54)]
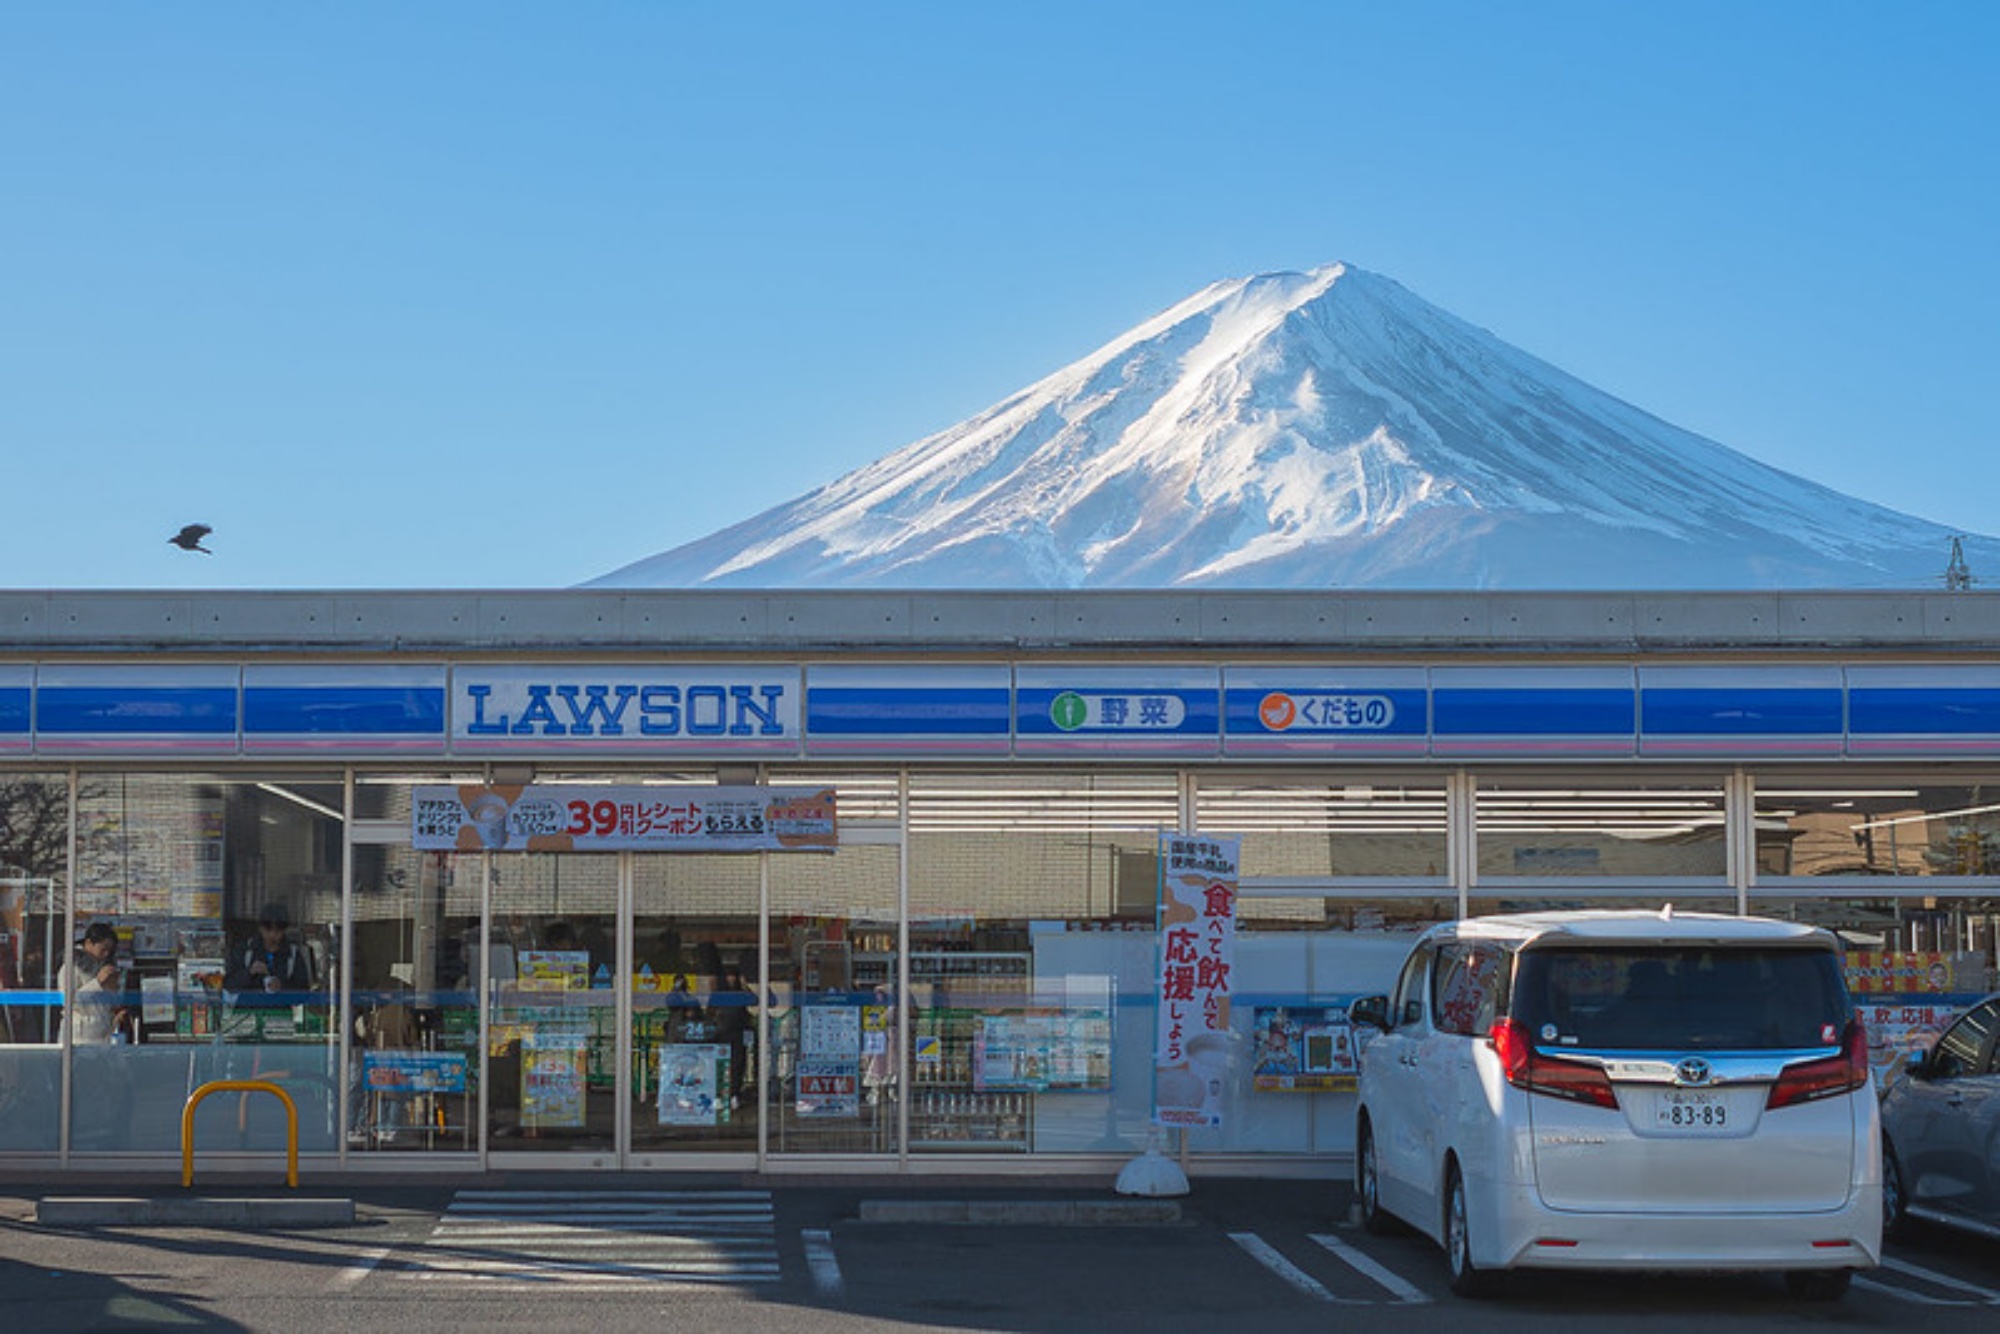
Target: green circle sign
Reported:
[(1069, 711)]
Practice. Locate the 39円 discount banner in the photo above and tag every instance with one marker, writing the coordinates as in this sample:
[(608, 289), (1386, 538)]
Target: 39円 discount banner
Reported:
[(550, 818)]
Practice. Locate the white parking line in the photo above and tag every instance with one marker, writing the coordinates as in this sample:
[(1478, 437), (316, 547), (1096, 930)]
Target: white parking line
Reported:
[(1265, 1254), (1986, 1295), (1401, 1288), (821, 1263)]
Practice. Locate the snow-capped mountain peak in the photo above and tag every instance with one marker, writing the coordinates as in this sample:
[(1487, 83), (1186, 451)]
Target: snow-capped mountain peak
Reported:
[(1314, 429)]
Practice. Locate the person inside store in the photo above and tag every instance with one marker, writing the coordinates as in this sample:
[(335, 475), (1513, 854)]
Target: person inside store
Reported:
[(90, 980), (878, 1045), (272, 961), (730, 1010)]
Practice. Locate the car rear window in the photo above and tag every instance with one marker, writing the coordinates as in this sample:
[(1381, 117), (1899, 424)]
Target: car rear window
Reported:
[(1689, 998)]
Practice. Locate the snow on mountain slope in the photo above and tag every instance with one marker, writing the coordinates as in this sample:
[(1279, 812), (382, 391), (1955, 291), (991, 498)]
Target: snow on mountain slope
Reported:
[(1322, 429)]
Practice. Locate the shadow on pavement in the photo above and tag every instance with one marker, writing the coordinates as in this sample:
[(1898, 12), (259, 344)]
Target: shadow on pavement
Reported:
[(53, 1301)]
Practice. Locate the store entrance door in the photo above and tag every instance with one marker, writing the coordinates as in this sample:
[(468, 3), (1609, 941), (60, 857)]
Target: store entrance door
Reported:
[(622, 1028), (554, 1080), (694, 1009)]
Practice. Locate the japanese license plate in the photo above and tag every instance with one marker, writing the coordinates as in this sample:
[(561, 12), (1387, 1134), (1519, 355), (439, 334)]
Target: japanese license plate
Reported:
[(1691, 1111)]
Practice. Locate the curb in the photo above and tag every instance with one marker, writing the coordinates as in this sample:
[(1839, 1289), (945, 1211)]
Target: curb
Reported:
[(133, 1211), (1043, 1213)]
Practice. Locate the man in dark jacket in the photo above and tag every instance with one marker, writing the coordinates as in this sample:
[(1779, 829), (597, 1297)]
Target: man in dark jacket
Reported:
[(272, 962)]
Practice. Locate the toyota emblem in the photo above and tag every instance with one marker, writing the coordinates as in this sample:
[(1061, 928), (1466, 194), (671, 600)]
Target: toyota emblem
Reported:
[(1693, 1070)]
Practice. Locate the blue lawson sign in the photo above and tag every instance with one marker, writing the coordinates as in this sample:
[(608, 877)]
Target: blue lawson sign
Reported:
[(1688, 710), (1271, 710), (346, 709), (17, 693), (935, 710), (1534, 711), (577, 709), (86, 709)]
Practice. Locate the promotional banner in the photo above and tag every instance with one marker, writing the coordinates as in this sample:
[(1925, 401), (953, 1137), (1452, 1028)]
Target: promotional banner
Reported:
[(1303, 1049), (474, 817), (1906, 1000), (1197, 957), (413, 1072), (554, 1074), (694, 1084), (1900, 973)]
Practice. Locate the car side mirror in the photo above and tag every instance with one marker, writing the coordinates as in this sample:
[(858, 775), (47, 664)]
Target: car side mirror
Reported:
[(1922, 1064), (1373, 1010)]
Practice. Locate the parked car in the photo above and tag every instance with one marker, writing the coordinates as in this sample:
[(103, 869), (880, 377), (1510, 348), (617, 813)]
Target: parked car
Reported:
[(1623, 1090), (1941, 1129)]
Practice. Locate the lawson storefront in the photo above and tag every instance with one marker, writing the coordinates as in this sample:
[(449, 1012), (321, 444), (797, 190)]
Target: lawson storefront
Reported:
[(814, 881)]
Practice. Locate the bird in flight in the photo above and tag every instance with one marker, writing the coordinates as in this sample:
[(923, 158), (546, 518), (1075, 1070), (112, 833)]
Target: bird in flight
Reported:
[(189, 538)]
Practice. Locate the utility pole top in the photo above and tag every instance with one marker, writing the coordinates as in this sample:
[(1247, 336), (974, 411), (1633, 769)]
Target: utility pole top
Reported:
[(1958, 575)]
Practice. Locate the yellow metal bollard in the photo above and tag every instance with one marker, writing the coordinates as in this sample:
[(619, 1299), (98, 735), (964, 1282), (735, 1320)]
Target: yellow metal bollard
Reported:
[(240, 1086)]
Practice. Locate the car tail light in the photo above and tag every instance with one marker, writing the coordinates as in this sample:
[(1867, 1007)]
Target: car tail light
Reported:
[(1538, 1072), (1827, 1076)]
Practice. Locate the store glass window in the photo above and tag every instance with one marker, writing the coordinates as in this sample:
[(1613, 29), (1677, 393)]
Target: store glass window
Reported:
[(1032, 935), (1584, 824), (1301, 960), (1616, 898), (866, 800), (207, 911), (1356, 826), (413, 1083), (34, 870), (1844, 824), (1917, 956)]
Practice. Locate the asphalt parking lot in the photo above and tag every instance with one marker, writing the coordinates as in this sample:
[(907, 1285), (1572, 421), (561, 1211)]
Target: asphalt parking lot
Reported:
[(678, 1252)]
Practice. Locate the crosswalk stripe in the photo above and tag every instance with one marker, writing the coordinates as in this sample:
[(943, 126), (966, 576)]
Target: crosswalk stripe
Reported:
[(459, 1237), (604, 1222), (667, 1196), (461, 1264), (610, 1238), (821, 1262), (569, 1284), (364, 1265), (607, 1211)]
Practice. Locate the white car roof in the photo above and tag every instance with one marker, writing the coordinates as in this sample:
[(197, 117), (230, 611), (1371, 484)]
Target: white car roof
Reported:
[(1636, 926)]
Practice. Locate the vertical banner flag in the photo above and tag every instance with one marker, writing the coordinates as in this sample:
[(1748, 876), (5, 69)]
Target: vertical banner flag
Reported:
[(1197, 957)]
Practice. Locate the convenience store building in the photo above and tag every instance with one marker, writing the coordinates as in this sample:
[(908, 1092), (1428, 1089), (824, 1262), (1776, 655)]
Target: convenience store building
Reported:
[(828, 881)]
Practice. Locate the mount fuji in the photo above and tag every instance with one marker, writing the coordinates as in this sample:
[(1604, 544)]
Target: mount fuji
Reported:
[(1326, 429)]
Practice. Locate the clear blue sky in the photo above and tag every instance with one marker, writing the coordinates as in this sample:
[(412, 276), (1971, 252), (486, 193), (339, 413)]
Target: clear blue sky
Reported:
[(506, 295)]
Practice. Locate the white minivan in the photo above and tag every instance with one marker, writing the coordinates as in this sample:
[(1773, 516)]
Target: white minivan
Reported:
[(1623, 1090)]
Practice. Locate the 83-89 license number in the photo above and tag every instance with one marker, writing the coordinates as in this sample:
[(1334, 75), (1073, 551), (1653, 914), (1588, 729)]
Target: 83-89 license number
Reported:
[(1691, 1111)]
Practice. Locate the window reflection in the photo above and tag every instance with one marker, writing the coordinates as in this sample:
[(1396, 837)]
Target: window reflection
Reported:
[(1807, 826), (1359, 826), (1586, 825)]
